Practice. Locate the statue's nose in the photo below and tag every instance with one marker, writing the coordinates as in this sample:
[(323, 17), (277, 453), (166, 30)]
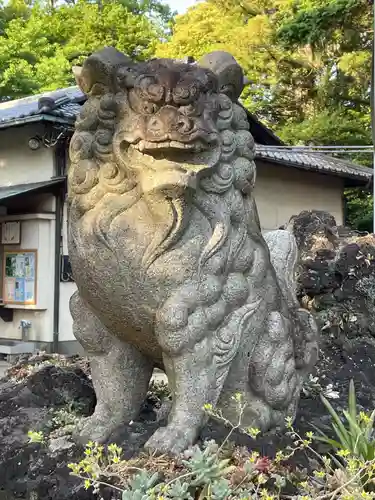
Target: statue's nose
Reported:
[(184, 125), (169, 120), (155, 125)]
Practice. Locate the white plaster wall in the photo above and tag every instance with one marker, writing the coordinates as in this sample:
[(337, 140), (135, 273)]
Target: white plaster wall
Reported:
[(281, 192), (39, 326), (65, 320), (66, 291), (36, 234), (18, 163)]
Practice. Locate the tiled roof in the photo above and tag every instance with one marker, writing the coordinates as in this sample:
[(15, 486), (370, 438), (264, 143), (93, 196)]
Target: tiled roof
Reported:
[(17, 189), (64, 105), (314, 161), (61, 105)]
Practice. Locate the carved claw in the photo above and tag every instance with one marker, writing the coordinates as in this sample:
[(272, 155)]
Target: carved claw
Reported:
[(95, 428), (171, 440)]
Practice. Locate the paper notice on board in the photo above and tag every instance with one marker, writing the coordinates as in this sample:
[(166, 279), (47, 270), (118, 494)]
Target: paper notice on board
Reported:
[(29, 266), (19, 294), (20, 277), (20, 266), (10, 288), (29, 290)]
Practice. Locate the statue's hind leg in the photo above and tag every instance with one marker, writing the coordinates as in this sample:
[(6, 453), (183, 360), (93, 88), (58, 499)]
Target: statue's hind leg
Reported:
[(120, 374), (269, 379)]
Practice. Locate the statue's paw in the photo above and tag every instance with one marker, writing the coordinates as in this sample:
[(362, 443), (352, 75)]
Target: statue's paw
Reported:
[(95, 428), (171, 440)]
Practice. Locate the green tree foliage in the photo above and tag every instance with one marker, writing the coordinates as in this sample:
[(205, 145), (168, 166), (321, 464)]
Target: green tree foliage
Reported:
[(303, 57), (308, 61), (41, 41)]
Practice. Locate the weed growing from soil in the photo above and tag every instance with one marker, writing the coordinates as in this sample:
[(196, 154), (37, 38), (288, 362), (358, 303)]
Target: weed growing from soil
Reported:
[(354, 431), (212, 472), (36, 437)]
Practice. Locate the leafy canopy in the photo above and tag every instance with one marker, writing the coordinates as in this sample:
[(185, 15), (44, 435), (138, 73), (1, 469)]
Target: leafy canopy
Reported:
[(41, 41), (308, 61)]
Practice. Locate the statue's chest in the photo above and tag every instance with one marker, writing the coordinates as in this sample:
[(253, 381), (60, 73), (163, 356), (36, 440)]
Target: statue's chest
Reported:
[(110, 259), (135, 246)]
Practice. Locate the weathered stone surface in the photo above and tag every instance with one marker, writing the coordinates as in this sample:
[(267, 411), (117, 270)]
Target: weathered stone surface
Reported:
[(167, 253)]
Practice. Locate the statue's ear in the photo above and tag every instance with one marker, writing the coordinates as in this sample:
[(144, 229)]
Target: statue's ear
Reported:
[(228, 72), (77, 72), (97, 75)]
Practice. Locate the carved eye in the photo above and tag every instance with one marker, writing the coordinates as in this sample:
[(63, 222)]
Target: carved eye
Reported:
[(150, 89), (140, 105), (149, 108), (181, 93), (185, 93), (188, 110)]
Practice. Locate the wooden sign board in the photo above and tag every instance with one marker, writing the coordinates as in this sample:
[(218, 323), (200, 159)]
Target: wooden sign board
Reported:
[(19, 277)]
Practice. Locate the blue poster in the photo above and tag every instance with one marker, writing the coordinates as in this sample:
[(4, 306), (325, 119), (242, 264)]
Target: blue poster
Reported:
[(19, 292)]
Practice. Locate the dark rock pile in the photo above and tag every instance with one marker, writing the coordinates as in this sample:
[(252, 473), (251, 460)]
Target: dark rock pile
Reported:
[(336, 280), (33, 389), (336, 273)]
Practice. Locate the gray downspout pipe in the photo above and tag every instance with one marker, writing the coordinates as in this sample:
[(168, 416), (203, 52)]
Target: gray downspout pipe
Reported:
[(59, 159)]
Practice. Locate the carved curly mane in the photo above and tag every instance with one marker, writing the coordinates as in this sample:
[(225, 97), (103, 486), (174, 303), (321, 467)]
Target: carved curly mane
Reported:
[(104, 183)]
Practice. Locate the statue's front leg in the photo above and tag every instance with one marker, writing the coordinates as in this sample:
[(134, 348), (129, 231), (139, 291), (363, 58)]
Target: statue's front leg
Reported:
[(192, 379), (190, 365)]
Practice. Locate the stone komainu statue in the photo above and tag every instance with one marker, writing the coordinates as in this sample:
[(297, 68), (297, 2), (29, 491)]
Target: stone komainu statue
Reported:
[(166, 248)]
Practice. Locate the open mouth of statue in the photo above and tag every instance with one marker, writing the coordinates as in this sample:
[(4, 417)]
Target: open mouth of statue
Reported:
[(188, 158), (170, 146)]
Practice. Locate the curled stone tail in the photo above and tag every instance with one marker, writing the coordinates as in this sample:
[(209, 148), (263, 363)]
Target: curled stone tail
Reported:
[(284, 255)]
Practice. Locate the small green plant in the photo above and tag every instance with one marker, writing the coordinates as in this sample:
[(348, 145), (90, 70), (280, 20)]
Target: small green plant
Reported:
[(213, 472), (35, 437), (252, 432), (63, 417), (96, 461), (354, 432), (206, 472), (160, 389)]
